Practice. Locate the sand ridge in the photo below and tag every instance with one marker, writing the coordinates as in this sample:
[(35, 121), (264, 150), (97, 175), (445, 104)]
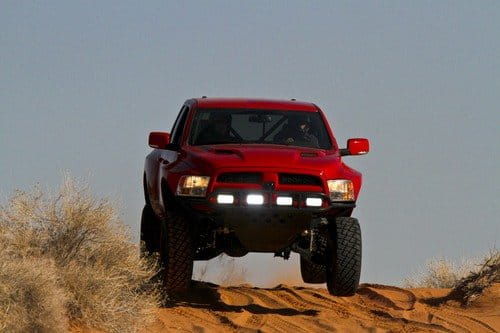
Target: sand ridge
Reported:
[(374, 308)]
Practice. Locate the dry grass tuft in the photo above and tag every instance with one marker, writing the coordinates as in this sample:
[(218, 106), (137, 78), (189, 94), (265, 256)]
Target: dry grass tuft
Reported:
[(472, 286), (467, 281), (439, 273), (68, 257)]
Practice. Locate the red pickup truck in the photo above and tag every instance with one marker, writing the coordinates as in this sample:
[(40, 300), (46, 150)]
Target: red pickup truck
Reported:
[(251, 175)]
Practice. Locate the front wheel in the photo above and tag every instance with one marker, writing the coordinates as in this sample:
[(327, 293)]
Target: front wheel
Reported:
[(344, 260), (176, 252)]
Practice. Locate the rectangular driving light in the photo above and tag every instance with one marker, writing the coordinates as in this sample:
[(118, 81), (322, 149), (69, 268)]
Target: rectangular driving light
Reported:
[(314, 202), (284, 201), (255, 199), (225, 199)]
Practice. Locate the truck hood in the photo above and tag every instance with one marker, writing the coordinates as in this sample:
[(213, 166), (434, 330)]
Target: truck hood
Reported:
[(260, 156)]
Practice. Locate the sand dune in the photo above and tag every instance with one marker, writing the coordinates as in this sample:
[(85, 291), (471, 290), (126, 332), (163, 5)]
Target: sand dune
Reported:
[(375, 308)]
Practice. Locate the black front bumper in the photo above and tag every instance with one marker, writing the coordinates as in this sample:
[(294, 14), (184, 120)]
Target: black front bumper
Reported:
[(267, 227)]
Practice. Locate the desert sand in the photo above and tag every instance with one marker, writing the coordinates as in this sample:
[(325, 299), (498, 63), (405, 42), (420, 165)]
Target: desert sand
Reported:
[(374, 308)]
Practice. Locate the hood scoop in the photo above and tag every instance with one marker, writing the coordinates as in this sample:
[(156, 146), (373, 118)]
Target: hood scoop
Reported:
[(263, 155)]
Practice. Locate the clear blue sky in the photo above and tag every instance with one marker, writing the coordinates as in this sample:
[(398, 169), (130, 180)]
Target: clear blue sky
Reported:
[(82, 84)]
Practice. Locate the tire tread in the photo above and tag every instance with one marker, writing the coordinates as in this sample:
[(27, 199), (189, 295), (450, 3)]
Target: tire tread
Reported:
[(176, 252), (343, 277)]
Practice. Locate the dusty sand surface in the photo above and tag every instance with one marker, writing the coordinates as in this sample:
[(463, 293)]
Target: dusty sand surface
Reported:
[(375, 308)]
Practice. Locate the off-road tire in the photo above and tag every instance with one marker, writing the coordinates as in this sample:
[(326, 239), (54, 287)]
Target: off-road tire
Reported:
[(176, 253), (312, 273), (344, 260), (150, 232)]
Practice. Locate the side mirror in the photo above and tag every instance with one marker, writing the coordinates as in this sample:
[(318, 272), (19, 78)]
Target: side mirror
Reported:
[(159, 140), (356, 146)]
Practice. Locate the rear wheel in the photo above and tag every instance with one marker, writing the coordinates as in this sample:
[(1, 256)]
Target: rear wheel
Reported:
[(176, 252), (344, 260), (312, 273)]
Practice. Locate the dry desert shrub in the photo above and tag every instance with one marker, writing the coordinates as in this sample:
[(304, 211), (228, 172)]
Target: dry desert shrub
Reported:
[(85, 257), (30, 299), (472, 286), (467, 281), (439, 273)]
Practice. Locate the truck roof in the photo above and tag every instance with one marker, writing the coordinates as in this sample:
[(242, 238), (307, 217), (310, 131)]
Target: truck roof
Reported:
[(255, 103)]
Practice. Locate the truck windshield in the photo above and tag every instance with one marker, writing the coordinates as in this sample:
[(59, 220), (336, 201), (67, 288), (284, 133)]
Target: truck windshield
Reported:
[(294, 128)]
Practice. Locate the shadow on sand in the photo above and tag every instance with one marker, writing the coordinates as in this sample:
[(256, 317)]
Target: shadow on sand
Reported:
[(204, 295)]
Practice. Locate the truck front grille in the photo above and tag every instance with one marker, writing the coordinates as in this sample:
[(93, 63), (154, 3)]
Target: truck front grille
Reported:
[(298, 179), (240, 177)]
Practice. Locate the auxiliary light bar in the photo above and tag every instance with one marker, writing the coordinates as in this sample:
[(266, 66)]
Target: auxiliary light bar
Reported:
[(258, 200)]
